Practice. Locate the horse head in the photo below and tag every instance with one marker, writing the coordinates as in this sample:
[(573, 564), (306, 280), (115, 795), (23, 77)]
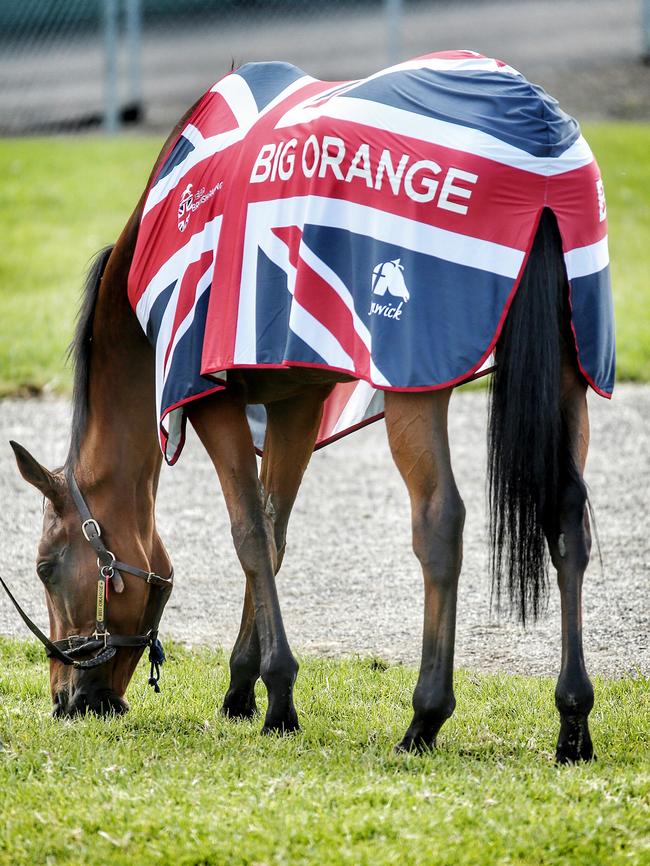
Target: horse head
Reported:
[(68, 566)]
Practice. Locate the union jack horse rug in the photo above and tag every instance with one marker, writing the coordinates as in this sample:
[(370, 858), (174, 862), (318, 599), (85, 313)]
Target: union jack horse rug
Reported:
[(377, 227)]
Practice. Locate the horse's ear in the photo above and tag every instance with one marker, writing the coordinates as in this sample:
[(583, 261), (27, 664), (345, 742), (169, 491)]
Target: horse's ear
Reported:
[(36, 475)]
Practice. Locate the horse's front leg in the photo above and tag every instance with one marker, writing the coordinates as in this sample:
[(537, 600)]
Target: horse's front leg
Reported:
[(417, 432), (245, 662), (292, 427), (570, 548), (221, 425)]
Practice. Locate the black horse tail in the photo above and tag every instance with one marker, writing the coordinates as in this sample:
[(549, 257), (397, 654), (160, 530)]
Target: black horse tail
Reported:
[(528, 449)]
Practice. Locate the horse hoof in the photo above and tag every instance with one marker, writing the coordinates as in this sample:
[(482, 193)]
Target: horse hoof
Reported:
[(289, 725), (415, 744), (282, 729), (238, 706), (574, 743), (570, 754)]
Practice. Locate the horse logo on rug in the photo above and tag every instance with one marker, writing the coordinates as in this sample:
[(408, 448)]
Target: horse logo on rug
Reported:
[(389, 277)]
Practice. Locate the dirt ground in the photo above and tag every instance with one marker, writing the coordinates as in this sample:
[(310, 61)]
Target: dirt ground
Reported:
[(350, 584)]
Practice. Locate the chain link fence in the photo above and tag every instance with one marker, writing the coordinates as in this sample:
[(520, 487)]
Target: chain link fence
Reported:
[(67, 65), (70, 64)]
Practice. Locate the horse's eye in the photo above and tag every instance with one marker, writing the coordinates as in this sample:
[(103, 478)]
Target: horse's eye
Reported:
[(45, 570)]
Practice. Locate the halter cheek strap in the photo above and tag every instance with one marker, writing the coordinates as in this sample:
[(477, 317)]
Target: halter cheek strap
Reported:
[(102, 641), (105, 559)]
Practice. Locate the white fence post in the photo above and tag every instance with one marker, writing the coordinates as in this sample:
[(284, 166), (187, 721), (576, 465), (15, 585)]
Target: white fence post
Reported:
[(133, 55), (111, 107), (394, 10)]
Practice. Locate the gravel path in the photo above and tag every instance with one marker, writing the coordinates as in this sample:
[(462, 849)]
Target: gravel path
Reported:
[(350, 583)]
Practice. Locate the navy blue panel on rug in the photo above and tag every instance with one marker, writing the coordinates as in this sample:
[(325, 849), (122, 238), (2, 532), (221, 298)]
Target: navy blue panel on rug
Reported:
[(441, 332), (184, 379), (503, 105), (180, 150), (271, 311), (593, 320), (157, 313), (267, 80), (297, 350)]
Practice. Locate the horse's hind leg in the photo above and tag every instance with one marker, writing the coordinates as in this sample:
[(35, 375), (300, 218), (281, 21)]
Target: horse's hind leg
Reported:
[(417, 432), (223, 429), (570, 548), (292, 426)]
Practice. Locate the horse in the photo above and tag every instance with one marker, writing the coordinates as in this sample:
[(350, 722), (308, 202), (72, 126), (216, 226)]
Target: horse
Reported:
[(104, 495)]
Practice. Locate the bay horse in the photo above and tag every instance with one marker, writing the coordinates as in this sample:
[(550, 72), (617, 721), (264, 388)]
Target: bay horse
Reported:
[(538, 440)]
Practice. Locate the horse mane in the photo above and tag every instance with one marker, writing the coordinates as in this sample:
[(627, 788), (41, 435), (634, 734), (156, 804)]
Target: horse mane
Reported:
[(79, 351)]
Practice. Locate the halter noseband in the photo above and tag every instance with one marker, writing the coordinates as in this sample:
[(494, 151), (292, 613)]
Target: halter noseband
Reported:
[(67, 650)]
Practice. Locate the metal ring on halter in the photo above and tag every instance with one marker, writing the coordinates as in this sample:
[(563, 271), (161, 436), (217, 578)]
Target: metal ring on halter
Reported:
[(109, 564), (107, 571)]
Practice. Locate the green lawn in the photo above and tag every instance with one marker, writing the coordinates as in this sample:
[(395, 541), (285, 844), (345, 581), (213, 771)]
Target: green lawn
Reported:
[(64, 198), (175, 783)]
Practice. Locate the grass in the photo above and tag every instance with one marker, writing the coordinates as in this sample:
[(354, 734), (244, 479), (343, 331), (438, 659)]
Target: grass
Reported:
[(64, 198), (174, 782), (623, 153)]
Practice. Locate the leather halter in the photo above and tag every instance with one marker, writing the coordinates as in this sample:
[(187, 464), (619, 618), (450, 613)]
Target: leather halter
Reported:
[(101, 640)]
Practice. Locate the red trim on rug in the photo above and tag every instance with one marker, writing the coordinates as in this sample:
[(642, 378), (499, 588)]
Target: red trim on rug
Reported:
[(606, 394)]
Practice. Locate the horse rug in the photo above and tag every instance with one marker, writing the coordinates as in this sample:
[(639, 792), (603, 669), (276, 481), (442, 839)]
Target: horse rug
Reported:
[(376, 227)]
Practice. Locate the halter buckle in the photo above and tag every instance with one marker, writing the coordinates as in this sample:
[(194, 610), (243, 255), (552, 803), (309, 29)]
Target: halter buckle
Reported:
[(99, 635), (90, 522)]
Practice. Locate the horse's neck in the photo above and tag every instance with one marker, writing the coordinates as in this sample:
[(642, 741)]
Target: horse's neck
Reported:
[(119, 451)]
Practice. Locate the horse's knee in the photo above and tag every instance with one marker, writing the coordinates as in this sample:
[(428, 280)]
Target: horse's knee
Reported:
[(278, 512), (251, 538), (438, 532)]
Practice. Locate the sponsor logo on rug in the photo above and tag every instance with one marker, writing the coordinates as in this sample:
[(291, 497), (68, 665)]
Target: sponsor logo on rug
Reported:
[(191, 202), (388, 277)]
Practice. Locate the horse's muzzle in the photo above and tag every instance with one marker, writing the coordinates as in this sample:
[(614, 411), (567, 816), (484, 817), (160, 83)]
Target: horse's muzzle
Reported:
[(100, 702)]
